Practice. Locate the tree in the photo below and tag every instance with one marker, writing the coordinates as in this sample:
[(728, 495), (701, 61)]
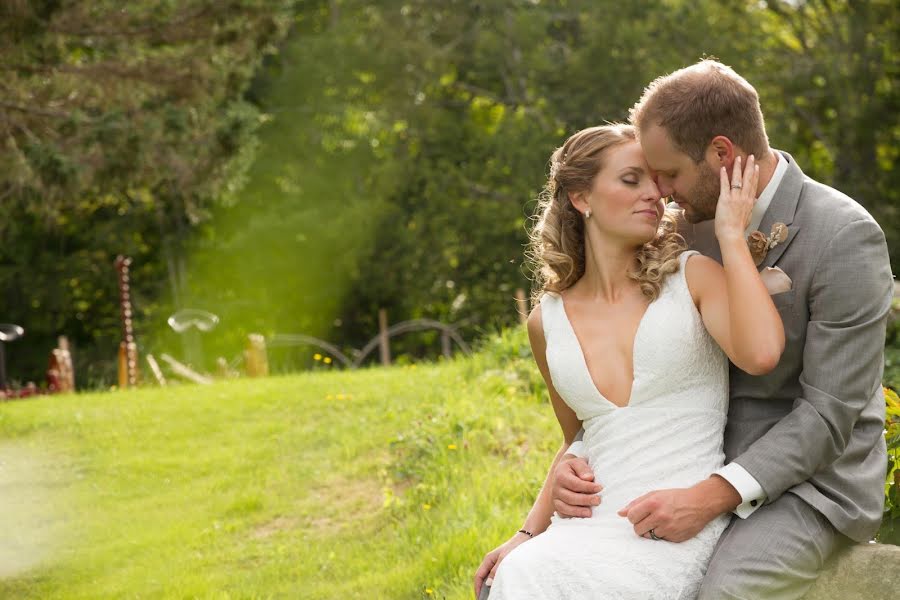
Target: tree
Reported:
[(109, 112), (829, 75)]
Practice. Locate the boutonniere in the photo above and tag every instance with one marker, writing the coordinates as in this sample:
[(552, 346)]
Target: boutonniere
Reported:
[(760, 244)]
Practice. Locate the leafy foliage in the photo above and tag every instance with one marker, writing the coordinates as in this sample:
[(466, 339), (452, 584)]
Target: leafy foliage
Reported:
[(890, 527), (119, 126), (384, 155)]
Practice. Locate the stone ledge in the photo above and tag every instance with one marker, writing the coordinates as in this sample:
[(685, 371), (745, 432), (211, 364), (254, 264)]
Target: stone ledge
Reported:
[(861, 572)]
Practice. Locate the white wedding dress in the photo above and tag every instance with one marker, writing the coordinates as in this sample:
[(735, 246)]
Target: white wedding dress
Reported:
[(669, 435)]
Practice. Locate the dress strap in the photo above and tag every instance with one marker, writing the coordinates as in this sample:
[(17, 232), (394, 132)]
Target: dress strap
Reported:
[(551, 304), (682, 263), (682, 258), (678, 281)]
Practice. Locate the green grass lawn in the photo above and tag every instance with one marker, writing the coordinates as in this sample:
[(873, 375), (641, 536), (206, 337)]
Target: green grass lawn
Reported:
[(378, 483)]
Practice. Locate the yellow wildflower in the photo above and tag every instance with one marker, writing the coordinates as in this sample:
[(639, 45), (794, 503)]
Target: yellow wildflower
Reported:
[(451, 446), (426, 507), (317, 356), (327, 360)]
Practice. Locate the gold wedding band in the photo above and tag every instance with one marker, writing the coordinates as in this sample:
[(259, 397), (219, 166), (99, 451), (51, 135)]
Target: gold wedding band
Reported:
[(736, 186)]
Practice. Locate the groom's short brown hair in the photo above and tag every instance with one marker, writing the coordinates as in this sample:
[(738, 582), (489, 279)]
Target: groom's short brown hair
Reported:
[(699, 102)]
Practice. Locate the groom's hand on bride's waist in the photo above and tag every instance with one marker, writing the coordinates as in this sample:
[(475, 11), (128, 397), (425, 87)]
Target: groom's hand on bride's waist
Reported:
[(574, 489), (678, 514)]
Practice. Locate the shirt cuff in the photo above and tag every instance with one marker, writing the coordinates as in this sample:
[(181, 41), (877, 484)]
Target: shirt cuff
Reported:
[(752, 494), (577, 448)]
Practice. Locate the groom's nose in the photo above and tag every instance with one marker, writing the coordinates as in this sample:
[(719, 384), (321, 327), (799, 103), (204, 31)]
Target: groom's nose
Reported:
[(665, 186)]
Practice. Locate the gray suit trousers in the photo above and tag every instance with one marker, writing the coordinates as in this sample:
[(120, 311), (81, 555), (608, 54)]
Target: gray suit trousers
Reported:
[(775, 553)]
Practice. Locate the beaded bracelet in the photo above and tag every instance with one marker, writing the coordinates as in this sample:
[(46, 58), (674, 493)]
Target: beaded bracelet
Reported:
[(528, 533)]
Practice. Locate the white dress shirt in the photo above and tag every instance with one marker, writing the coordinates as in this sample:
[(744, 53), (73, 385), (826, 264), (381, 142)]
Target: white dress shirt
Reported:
[(752, 494)]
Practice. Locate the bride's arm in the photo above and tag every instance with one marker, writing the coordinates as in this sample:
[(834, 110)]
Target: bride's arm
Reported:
[(737, 310), (733, 301), (538, 519)]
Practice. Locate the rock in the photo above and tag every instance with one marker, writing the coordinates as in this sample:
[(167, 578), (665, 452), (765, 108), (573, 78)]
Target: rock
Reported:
[(860, 572)]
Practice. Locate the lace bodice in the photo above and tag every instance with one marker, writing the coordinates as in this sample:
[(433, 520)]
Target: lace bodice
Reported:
[(674, 356)]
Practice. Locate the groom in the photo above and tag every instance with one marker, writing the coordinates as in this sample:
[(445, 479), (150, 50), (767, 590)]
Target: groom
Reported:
[(804, 444)]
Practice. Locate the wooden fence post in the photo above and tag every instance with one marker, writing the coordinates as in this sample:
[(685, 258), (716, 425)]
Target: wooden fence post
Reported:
[(67, 370), (255, 357), (60, 374), (522, 305), (384, 342), (123, 366), (129, 375), (445, 344)]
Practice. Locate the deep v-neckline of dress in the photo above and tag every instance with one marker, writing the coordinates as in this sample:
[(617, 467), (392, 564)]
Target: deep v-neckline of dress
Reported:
[(587, 370)]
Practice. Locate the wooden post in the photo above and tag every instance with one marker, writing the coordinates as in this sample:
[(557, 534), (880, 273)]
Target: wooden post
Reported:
[(129, 375), (123, 366), (383, 340), (522, 305), (53, 383), (255, 357), (445, 344), (66, 370), (2, 369), (222, 368), (59, 374)]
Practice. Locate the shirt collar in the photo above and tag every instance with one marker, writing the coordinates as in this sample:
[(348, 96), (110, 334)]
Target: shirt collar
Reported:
[(765, 198)]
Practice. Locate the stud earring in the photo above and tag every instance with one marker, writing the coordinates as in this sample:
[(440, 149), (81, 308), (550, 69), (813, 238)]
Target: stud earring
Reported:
[(587, 214)]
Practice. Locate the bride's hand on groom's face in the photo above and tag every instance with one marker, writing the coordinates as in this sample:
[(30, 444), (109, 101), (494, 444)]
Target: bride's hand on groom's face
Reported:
[(737, 196), (574, 489)]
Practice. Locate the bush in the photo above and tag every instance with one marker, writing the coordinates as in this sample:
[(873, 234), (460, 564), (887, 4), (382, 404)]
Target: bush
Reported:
[(890, 523)]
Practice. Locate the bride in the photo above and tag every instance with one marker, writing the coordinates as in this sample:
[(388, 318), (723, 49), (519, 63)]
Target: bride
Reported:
[(632, 335)]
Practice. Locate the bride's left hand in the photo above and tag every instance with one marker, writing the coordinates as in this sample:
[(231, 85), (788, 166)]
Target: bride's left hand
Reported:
[(737, 197), (488, 569)]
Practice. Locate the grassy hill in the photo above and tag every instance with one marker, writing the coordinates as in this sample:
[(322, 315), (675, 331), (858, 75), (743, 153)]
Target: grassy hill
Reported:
[(379, 483)]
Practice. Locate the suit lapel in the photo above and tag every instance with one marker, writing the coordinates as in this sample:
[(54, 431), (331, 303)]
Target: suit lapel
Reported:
[(782, 209)]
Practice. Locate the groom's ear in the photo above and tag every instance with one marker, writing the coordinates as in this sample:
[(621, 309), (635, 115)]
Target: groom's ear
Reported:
[(721, 152)]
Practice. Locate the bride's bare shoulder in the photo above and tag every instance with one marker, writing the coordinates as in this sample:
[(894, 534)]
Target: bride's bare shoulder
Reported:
[(535, 322), (698, 262), (702, 272)]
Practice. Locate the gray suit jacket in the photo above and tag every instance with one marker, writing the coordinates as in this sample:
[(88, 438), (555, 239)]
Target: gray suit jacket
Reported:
[(814, 426)]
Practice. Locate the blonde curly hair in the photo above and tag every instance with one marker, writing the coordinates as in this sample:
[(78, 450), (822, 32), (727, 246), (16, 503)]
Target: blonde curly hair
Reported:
[(556, 245)]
